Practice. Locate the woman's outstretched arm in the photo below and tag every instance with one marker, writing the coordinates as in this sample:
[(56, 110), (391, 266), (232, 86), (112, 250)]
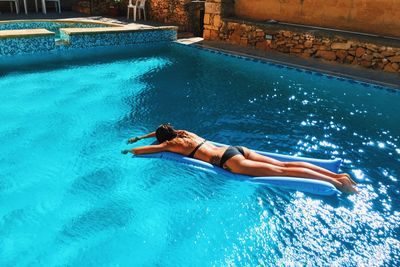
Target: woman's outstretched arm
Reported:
[(135, 139), (146, 149)]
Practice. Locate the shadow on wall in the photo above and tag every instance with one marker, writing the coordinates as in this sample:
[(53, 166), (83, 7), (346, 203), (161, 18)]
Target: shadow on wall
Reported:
[(188, 15), (372, 16)]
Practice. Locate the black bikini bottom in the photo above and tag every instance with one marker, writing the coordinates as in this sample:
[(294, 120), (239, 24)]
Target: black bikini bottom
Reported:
[(229, 153)]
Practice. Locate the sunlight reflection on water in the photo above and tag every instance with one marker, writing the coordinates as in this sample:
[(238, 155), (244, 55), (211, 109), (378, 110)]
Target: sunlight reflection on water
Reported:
[(71, 197)]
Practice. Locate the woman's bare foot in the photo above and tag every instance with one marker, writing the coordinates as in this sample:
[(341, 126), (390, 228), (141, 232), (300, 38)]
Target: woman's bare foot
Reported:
[(347, 185), (341, 175), (348, 176)]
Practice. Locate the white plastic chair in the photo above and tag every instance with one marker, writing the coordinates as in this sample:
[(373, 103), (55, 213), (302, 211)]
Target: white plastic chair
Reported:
[(139, 5), (56, 2), (11, 5)]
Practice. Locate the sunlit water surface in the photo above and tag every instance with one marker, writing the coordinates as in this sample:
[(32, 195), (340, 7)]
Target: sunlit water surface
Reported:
[(68, 197)]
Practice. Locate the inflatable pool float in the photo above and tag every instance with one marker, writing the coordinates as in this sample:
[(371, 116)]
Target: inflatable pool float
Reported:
[(294, 183)]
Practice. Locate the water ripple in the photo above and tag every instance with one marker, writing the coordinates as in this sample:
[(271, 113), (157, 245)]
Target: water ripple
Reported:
[(68, 196)]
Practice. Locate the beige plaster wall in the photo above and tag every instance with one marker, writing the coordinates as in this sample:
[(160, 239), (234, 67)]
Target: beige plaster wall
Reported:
[(370, 16)]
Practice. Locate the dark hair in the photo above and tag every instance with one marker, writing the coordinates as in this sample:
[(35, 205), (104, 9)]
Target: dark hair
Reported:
[(165, 132)]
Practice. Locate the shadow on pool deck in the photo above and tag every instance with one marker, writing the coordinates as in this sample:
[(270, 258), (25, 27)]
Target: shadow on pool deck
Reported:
[(386, 79), (77, 16)]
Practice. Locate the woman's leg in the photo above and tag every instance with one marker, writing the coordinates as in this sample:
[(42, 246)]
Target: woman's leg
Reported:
[(238, 164), (251, 155), (319, 169)]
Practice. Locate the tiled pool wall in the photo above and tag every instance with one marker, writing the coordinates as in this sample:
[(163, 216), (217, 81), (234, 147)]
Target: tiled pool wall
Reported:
[(11, 44), (117, 38), (17, 45), (48, 25)]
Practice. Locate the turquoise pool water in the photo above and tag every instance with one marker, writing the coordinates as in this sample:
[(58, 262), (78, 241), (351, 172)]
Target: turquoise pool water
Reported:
[(69, 198)]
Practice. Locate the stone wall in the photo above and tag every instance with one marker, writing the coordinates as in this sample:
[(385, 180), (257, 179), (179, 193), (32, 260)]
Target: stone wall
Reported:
[(215, 10), (371, 16), (170, 12), (182, 13), (308, 43)]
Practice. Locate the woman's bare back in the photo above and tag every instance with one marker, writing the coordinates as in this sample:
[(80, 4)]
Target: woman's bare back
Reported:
[(186, 144)]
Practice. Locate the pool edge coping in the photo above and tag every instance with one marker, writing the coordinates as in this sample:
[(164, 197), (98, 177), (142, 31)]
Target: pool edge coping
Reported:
[(83, 21), (127, 28), (25, 33)]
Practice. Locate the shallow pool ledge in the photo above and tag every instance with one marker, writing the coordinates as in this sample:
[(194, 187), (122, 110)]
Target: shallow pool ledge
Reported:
[(14, 42), (91, 37), (19, 42)]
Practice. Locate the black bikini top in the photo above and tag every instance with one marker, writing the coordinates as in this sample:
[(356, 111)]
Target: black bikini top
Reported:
[(191, 155)]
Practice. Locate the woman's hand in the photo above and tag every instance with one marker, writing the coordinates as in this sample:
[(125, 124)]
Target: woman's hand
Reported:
[(133, 140), (125, 151)]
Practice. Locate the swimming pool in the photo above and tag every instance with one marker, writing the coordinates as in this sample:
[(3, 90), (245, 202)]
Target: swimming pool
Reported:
[(52, 25), (69, 197)]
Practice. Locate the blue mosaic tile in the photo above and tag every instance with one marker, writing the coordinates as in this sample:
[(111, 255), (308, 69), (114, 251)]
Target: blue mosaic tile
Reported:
[(365, 84), (117, 38), (48, 25), (32, 44)]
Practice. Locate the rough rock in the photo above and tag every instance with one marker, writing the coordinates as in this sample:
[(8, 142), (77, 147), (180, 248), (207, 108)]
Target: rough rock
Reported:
[(327, 55), (395, 59), (360, 52), (342, 46), (341, 54), (389, 68)]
